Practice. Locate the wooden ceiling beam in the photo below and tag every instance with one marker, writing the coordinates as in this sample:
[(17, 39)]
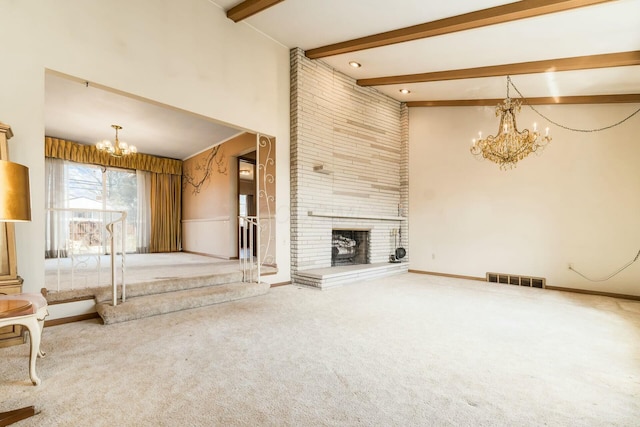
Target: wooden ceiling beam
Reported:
[(481, 18), (620, 59), (563, 100), (248, 8)]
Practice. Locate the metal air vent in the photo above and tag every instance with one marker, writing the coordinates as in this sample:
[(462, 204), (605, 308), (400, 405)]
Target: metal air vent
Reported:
[(518, 280)]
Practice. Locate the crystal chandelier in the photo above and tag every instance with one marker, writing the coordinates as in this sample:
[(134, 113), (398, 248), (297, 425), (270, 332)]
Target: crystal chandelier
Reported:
[(510, 145), (118, 148)]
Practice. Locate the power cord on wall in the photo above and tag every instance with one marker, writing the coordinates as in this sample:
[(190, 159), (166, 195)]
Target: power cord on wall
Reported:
[(609, 276), (535, 110)]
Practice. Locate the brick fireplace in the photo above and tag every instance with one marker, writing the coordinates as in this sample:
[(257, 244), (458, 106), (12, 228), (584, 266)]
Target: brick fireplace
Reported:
[(349, 171)]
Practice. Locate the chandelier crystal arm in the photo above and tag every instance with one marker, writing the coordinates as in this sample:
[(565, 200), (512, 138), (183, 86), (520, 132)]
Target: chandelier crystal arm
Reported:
[(509, 145)]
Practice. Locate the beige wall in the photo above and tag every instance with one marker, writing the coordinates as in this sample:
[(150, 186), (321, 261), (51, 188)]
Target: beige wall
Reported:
[(209, 223), (247, 187), (578, 202), (185, 54), (218, 194)]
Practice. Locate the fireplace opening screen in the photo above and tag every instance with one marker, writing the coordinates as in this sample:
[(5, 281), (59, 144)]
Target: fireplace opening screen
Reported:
[(349, 247)]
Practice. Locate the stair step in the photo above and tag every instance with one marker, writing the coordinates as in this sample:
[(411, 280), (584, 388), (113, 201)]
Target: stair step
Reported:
[(169, 285), (167, 302)]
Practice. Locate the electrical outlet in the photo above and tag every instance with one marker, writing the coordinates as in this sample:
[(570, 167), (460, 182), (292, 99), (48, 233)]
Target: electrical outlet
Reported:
[(433, 256)]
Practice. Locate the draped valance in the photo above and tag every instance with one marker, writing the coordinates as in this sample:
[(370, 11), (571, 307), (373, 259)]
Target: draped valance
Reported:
[(80, 153)]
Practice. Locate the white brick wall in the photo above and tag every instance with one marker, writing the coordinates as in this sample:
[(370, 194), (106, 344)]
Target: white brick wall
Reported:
[(361, 136)]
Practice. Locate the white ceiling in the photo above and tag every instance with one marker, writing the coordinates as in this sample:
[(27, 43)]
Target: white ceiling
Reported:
[(84, 114), (605, 28)]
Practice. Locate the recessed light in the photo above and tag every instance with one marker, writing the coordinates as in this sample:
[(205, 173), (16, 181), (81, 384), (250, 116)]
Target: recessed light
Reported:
[(405, 91), (355, 64)]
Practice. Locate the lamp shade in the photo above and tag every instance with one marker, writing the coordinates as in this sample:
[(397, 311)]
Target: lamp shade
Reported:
[(14, 192)]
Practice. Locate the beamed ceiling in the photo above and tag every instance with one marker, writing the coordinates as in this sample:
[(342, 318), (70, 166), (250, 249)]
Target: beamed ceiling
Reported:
[(459, 53), (446, 53)]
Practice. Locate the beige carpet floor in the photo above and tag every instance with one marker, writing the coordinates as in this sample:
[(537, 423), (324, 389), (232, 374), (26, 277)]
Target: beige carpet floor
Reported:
[(407, 350)]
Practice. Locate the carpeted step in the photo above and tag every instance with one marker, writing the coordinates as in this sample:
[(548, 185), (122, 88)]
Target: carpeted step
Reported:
[(167, 302), (169, 285)]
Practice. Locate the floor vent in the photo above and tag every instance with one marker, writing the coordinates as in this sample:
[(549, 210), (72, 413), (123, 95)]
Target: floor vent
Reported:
[(513, 279)]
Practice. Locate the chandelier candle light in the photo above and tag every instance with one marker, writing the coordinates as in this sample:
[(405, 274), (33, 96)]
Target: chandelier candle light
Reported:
[(118, 148), (510, 145)]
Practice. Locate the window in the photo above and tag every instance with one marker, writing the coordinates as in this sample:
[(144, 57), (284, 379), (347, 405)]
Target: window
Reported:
[(88, 190)]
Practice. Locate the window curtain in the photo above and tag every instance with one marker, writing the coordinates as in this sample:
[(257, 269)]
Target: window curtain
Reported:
[(144, 212), (88, 154), (56, 229), (165, 191), (166, 213)]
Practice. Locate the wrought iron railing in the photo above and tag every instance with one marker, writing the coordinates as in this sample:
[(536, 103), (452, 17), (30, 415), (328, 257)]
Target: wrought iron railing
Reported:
[(110, 229), (249, 248), (76, 237)]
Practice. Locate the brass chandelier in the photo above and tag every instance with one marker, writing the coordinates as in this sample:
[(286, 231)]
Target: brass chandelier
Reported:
[(118, 148), (510, 145)]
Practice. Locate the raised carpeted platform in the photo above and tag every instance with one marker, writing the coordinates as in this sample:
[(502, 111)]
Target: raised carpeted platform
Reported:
[(163, 283), (181, 293), (147, 305)]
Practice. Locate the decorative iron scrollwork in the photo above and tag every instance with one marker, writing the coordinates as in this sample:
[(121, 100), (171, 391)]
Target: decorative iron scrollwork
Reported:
[(266, 166)]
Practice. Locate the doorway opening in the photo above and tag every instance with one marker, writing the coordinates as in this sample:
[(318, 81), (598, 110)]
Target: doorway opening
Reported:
[(247, 203)]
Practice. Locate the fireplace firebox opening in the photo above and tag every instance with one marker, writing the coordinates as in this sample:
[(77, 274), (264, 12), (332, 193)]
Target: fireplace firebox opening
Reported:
[(349, 247)]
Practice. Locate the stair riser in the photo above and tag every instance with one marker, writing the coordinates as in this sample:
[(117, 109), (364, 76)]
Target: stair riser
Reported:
[(172, 285), (153, 305)]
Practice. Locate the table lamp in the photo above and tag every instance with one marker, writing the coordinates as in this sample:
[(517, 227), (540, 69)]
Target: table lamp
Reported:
[(15, 205)]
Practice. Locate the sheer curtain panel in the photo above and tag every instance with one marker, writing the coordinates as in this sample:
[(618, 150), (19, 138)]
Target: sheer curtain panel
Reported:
[(56, 228)]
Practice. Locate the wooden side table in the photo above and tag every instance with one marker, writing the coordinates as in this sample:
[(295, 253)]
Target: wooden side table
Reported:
[(15, 307), (28, 310), (11, 308)]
